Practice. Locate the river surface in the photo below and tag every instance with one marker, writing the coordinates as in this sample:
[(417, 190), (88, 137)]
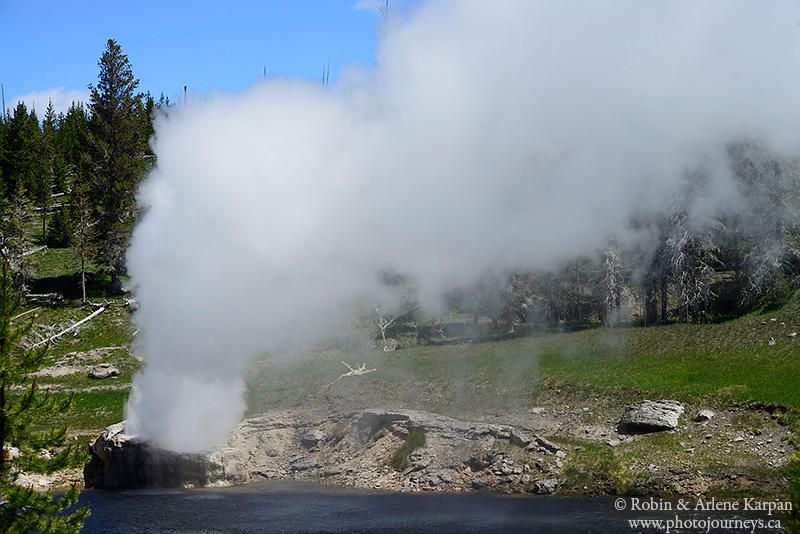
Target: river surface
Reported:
[(294, 508)]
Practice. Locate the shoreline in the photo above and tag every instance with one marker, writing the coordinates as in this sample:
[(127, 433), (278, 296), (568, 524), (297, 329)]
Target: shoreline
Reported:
[(561, 450)]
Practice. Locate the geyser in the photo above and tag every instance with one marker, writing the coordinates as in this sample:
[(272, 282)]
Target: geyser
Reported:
[(489, 135)]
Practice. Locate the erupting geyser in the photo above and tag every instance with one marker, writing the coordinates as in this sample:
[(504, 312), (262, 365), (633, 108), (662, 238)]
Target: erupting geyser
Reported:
[(502, 134)]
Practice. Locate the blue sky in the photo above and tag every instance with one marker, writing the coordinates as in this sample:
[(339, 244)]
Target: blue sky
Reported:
[(51, 48)]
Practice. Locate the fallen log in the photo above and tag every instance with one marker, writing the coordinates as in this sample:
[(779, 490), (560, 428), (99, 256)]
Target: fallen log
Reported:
[(34, 251), (25, 313), (53, 297), (359, 370), (70, 328)]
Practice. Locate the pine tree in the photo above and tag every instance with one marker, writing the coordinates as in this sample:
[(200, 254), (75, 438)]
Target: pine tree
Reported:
[(61, 229), (47, 163), (17, 237), (72, 147), (20, 165), (117, 150), (23, 509)]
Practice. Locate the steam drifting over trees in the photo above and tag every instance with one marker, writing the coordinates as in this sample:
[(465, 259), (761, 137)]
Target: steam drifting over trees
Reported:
[(558, 196)]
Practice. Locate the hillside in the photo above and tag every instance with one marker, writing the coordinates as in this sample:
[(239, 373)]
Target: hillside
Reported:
[(718, 364), (570, 386)]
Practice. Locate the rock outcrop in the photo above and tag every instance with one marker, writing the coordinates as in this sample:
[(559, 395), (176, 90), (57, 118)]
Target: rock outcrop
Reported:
[(347, 449), (103, 370), (703, 415), (651, 416), (120, 461)]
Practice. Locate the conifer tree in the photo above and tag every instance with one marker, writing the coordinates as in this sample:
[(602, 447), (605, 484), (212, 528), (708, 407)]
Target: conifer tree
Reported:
[(20, 164), (72, 146), (117, 149), (23, 509), (47, 163), (17, 237), (61, 229)]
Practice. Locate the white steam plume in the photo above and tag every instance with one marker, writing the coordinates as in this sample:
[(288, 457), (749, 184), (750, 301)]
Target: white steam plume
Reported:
[(500, 134)]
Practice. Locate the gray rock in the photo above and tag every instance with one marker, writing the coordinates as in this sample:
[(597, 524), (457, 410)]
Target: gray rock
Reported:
[(651, 416), (120, 461), (313, 437), (546, 486), (525, 479), (373, 419), (519, 439), (506, 480), (703, 415), (340, 469), (305, 465), (419, 454), (550, 447), (479, 483), (103, 370)]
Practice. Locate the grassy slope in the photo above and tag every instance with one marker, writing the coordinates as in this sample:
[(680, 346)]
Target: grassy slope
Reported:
[(97, 403), (709, 365), (715, 364), (712, 366)]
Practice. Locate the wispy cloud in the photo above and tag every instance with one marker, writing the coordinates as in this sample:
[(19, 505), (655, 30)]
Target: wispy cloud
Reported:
[(61, 97)]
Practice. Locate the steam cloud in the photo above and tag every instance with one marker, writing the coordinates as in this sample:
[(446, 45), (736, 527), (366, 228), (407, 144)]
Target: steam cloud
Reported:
[(504, 134)]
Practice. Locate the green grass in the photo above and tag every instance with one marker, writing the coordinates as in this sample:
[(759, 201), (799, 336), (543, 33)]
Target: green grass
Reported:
[(718, 364), (730, 362), (399, 458), (103, 404), (91, 411), (593, 466)]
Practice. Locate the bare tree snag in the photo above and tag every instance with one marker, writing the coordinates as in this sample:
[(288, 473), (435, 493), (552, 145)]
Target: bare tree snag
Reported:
[(383, 323)]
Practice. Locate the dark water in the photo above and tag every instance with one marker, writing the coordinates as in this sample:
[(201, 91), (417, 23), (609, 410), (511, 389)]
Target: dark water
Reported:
[(291, 508)]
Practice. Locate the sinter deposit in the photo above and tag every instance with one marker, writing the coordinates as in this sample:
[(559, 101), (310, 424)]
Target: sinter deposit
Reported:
[(348, 448)]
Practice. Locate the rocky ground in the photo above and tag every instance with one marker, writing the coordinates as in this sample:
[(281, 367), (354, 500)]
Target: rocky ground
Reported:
[(552, 449)]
